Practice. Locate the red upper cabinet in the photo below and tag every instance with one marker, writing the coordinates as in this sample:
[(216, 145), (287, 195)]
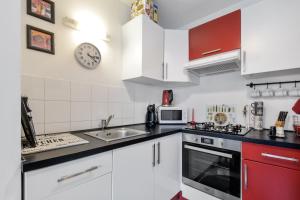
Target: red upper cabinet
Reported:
[(217, 36)]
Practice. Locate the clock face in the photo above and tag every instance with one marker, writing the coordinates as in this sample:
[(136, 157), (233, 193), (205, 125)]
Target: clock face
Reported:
[(88, 55)]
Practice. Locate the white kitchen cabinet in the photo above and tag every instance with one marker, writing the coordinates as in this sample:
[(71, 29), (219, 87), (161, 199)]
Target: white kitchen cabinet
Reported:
[(270, 36), (148, 170), (167, 170), (133, 176), (85, 178), (143, 50), (176, 49)]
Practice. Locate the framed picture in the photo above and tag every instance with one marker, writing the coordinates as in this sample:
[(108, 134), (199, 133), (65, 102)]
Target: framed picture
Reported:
[(40, 40), (43, 9)]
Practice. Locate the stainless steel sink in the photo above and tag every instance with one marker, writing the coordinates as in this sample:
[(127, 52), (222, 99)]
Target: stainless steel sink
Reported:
[(116, 134)]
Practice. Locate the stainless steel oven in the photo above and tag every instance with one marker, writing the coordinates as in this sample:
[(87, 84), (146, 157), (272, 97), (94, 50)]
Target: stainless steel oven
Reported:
[(212, 165)]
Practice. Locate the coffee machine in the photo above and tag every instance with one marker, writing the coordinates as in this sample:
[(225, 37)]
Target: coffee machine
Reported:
[(151, 117), (167, 97)]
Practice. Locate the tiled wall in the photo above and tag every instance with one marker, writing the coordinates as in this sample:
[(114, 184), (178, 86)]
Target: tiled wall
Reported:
[(60, 105)]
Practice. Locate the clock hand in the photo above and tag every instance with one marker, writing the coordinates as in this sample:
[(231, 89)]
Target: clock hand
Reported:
[(92, 57)]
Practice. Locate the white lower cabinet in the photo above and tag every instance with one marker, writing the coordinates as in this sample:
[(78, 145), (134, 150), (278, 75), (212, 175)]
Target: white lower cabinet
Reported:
[(148, 170), (86, 178)]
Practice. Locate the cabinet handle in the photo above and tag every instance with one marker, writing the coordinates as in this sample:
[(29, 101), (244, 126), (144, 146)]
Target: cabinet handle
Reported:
[(158, 153), (245, 176), (163, 71), (212, 51), (153, 151), (279, 157), (64, 178), (244, 61), (166, 71)]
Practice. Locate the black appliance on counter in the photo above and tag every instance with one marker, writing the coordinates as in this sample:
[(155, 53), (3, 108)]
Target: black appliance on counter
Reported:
[(212, 165), (27, 122), (151, 116)]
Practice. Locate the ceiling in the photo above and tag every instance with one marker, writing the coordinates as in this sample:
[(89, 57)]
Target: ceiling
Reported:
[(177, 13)]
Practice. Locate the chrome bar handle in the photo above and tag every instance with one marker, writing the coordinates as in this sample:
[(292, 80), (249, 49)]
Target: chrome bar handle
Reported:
[(158, 153), (153, 151), (244, 69), (166, 71), (212, 51), (64, 178), (245, 176), (163, 71), (279, 157)]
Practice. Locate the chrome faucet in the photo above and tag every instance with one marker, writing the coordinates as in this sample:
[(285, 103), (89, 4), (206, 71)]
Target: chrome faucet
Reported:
[(105, 122)]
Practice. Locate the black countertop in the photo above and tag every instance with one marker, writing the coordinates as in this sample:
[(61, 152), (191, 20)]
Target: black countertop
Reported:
[(95, 146)]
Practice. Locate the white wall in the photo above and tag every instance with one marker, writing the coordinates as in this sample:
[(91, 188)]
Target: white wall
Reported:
[(108, 15), (61, 92), (230, 89), (10, 153)]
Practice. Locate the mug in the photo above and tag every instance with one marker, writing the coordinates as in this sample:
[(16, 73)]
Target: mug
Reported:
[(295, 92), (255, 93), (281, 93), (267, 93)]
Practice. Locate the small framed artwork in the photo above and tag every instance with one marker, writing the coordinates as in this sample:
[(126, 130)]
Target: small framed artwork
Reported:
[(43, 9), (40, 40)]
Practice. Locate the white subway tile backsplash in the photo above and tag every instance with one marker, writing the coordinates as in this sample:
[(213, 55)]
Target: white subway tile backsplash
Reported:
[(99, 111), (99, 93), (80, 125), (116, 122), (96, 124), (80, 111), (128, 110), (115, 109), (117, 95), (60, 106), (127, 121), (39, 128), (57, 90), (80, 92), (38, 110), (33, 87), (57, 111), (57, 127)]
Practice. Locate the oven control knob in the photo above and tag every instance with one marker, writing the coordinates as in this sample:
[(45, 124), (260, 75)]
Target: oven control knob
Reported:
[(196, 139)]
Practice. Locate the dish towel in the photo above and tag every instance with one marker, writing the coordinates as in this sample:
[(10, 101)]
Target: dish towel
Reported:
[(296, 107)]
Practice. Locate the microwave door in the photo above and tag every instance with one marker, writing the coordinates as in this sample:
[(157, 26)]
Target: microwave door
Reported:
[(27, 122)]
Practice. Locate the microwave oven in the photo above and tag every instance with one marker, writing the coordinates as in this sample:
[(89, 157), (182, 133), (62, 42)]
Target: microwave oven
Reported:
[(172, 115)]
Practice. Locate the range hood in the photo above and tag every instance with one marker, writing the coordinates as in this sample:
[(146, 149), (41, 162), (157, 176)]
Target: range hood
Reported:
[(223, 62)]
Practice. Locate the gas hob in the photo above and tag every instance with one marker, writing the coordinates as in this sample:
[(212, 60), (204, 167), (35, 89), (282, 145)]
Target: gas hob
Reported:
[(232, 129)]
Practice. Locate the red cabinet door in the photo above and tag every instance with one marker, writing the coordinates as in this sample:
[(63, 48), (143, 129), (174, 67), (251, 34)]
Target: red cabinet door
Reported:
[(220, 35), (269, 182)]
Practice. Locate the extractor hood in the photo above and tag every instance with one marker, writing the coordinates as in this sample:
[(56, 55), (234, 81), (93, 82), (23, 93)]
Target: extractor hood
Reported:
[(223, 62)]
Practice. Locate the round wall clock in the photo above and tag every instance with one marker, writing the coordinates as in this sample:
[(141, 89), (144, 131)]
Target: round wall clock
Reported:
[(88, 55)]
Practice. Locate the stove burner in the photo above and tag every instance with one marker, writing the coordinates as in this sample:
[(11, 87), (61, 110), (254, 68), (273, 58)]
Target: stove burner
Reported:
[(235, 129)]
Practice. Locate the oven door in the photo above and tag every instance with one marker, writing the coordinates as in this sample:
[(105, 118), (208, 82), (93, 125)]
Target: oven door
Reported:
[(212, 170)]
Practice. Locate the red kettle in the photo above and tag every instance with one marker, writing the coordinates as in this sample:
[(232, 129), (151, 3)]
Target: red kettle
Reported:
[(167, 97)]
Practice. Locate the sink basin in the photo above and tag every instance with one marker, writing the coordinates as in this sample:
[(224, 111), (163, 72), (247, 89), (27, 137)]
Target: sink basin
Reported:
[(115, 134)]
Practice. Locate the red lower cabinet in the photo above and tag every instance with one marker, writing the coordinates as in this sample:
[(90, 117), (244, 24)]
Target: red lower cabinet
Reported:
[(269, 182), (271, 177)]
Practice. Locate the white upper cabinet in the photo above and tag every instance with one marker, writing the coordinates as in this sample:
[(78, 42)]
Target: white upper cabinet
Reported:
[(143, 50), (270, 36), (176, 48)]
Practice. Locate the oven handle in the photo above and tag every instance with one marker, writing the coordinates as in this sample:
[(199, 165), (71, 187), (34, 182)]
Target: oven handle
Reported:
[(208, 151)]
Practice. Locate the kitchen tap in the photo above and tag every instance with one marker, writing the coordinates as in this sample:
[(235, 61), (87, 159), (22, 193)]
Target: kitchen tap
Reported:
[(105, 122)]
